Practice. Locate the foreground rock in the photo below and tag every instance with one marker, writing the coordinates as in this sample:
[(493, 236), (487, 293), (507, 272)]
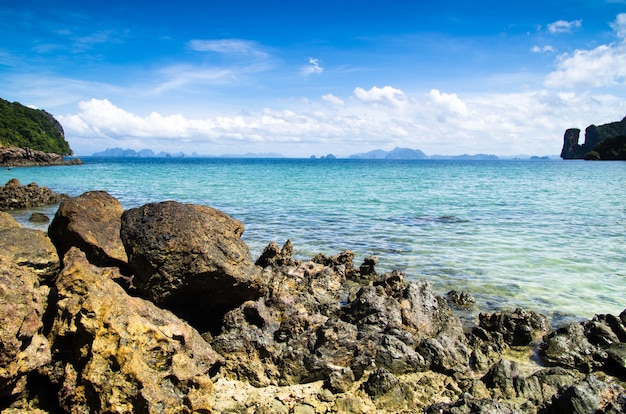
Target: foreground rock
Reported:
[(14, 196), (189, 259), (27, 157), (114, 353), (288, 335), (28, 248), (90, 222)]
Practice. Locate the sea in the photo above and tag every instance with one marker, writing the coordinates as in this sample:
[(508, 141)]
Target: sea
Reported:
[(542, 235)]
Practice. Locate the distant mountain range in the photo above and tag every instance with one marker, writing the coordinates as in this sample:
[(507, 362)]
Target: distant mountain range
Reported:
[(395, 154)]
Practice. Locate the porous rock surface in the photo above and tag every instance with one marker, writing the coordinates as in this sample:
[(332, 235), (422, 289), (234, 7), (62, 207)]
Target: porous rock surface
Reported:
[(189, 258), (14, 195), (116, 353), (90, 222), (315, 336)]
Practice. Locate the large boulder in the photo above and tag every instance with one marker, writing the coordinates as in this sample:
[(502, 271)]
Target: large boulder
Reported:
[(90, 222), (23, 346), (190, 259), (28, 248), (116, 353)]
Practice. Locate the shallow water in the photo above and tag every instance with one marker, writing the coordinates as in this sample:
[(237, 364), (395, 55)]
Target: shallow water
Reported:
[(544, 235)]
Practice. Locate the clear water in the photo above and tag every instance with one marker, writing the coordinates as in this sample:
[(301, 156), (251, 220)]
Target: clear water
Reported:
[(544, 235)]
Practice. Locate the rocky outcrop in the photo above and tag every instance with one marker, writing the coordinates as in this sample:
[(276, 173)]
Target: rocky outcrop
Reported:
[(27, 157), (115, 353), (594, 135), (92, 223), (288, 335), (13, 196), (23, 346), (189, 259)]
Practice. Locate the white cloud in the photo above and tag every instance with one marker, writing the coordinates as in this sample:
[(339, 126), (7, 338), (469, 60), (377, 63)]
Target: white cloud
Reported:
[(313, 68), (619, 25), (333, 100), (563, 26), (544, 49), (450, 103), (228, 47), (603, 66), (385, 95)]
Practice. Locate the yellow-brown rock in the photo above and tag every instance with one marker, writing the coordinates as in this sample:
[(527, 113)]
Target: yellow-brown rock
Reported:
[(122, 354)]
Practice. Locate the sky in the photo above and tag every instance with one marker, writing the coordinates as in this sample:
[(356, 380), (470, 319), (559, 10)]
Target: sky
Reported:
[(319, 77)]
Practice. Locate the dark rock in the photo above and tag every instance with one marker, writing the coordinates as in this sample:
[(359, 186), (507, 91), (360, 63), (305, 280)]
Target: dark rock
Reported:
[(517, 328), (190, 259), (589, 345), (502, 376), (569, 347), (340, 379), (367, 269), (274, 256), (27, 157), (469, 405), (116, 353), (15, 196), (460, 300), (90, 222), (380, 382), (542, 386), (38, 218)]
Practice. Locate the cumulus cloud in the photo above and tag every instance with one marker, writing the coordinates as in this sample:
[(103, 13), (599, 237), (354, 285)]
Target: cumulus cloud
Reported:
[(313, 68), (563, 26), (450, 103), (385, 96), (333, 100), (602, 66)]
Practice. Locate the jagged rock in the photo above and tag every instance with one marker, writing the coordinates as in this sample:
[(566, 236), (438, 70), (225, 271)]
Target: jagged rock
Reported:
[(590, 395), (90, 222), (189, 259), (380, 382), (589, 345), (460, 300), (29, 248), (274, 256), (517, 327), (13, 196), (467, 405), (23, 345), (116, 353)]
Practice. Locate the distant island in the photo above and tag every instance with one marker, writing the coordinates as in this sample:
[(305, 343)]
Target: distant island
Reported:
[(378, 154), (603, 142)]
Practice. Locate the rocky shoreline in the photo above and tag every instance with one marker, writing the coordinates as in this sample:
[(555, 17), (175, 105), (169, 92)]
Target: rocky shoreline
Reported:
[(26, 157), (161, 309)]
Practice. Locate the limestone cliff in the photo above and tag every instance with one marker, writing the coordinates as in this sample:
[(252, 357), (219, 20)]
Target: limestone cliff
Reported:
[(613, 132)]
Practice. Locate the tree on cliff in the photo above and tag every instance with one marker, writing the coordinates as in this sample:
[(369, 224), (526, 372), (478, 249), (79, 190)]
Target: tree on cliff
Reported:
[(21, 126)]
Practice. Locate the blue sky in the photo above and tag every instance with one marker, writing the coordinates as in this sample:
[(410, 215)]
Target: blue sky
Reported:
[(312, 78)]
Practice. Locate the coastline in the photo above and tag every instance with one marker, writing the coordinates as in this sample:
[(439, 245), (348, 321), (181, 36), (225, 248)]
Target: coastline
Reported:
[(319, 335), (26, 157)]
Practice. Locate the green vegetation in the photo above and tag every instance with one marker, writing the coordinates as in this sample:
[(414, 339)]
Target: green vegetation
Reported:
[(612, 148), (21, 126)]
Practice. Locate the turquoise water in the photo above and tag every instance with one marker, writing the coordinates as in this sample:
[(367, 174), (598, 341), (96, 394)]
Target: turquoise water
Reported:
[(544, 235)]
